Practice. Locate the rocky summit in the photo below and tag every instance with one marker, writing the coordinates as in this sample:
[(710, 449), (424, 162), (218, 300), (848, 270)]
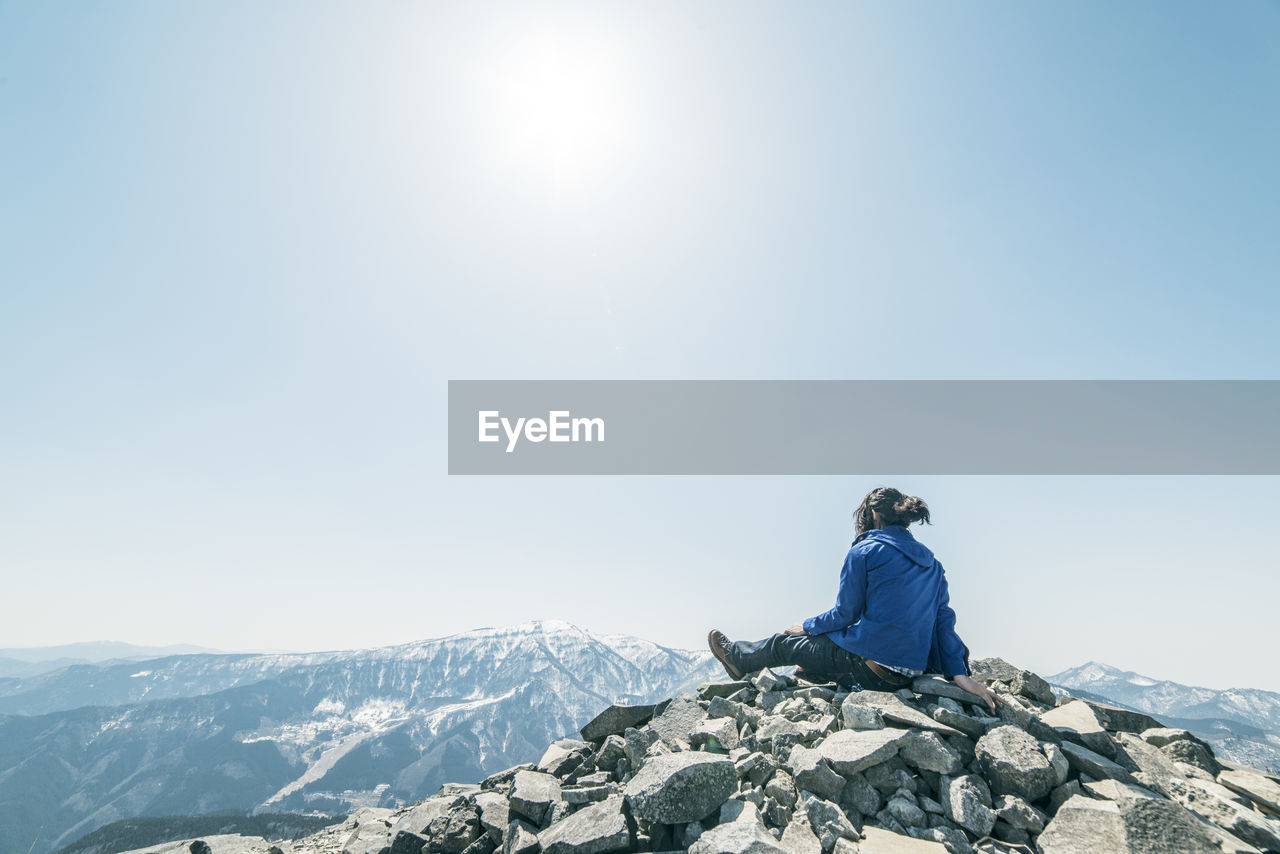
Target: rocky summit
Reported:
[(776, 765)]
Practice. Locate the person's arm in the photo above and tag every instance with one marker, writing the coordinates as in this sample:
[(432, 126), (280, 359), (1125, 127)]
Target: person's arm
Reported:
[(954, 655), (851, 598)]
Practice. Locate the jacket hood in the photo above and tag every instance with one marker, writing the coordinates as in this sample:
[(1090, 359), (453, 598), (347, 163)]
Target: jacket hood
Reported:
[(900, 538)]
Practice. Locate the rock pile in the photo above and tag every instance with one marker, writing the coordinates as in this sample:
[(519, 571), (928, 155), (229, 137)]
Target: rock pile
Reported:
[(772, 765)]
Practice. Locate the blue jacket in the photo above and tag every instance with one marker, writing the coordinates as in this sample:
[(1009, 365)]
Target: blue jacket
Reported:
[(892, 606)]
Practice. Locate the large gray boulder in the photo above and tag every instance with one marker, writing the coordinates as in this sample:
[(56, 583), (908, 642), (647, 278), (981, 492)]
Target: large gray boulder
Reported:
[(532, 795), (423, 816), (678, 721), (812, 773), (681, 787), (595, 829), (495, 815), (1015, 764), (1207, 801), (966, 800), (1257, 787), (798, 837), (1140, 826), (740, 831), (616, 720), (928, 752), (1095, 765), (1078, 722), (828, 821), (850, 751), (892, 709)]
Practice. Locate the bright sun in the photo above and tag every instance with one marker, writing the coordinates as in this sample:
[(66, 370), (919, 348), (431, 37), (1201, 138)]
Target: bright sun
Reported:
[(562, 108)]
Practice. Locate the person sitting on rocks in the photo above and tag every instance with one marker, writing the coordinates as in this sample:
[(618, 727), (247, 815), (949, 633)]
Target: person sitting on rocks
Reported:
[(892, 620)]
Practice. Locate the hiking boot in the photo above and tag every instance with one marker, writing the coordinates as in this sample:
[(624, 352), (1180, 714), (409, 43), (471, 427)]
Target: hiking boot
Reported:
[(719, 645)]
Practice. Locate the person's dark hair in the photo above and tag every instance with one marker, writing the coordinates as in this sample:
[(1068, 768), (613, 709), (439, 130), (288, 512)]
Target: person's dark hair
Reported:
[(894, 507)]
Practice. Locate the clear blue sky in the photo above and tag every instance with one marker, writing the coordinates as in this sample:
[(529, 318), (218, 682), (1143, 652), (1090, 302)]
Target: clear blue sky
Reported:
[(244, 246)]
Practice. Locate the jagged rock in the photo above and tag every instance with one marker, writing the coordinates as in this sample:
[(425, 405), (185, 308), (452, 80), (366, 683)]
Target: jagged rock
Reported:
[(828, 821), (889, 776), (1192, 752), (1097, 766), (1117, 719), (972, 727), (495, 815), (580, 795), (936, 686), (681, 787), (1242, 823), (1160, 736), (966, 800), (611, 750), (452, 833), (616, 720), (782, 788), (371, 832), (1020, 681), (1114, 790), (1143, 826), (812, 773), (1057, 761), (433, 812), (855, 716), (563, 756), (717, 734), (774, 725), (675, 724), (927, 751), (1063, 793), (407, 842), (484, 845), (532, 795), (1017, 813), (740, 831), (638, 742), (850, 751), (859, 796), (712, 690), (1015, 764), (799, 837), (502, 779), (1257, 787), (520, 838), (893, 709), (1078, 722), (592, 830), (200, 847), (766, 680), (905, 810)]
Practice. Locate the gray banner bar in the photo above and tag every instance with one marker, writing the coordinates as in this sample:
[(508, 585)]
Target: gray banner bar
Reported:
[(865, 427)]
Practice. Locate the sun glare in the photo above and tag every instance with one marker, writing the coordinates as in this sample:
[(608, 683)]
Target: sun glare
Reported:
[(561, 106)]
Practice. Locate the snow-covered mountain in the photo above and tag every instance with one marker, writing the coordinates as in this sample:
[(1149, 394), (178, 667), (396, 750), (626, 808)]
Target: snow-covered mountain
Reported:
[(1243, 724), (187, 734)]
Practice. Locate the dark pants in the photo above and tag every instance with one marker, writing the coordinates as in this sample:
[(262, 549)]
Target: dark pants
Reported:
[(819, 659)]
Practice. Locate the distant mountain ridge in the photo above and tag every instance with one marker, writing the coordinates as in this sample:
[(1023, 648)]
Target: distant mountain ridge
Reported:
[(88, 745), (31, 661), (1243, 724)]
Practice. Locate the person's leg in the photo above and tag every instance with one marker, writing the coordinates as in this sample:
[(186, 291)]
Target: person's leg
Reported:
[(820, 659), (813, 653)]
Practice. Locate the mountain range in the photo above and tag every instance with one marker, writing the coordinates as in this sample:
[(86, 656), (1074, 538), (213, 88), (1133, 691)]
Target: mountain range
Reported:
[(1242, 724), (326, 732)]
